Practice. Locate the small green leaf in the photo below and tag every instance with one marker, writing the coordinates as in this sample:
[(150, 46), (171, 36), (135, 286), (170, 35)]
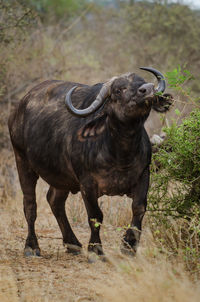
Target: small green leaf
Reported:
[(177, 111)]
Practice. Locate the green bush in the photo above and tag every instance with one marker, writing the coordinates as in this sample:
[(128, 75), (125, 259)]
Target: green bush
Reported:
[(175, 192), (176, 186), (181, 154)]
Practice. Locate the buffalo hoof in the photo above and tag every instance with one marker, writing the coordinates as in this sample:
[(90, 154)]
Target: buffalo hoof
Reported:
[(103, 258), (29, 252), (128, 252), (74, 249), (95, 252), (93, 257), (95, 248), (130, 242), (127, 249)]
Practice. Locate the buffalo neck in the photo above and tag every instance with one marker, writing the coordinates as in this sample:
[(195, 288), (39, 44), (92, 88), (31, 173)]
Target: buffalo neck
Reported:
[(125, 137)]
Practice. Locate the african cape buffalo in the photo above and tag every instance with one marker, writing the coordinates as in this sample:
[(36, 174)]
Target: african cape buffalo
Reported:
[(89, 139)]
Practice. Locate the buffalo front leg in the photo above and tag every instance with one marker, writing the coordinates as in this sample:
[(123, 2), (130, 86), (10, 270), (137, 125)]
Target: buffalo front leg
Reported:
[(28, 180), (56, 199), (132, 235), (95, 219)]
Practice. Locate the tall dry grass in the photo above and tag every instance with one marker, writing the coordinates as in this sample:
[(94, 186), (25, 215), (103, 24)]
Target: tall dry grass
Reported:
[(147, 281), (155, 274)]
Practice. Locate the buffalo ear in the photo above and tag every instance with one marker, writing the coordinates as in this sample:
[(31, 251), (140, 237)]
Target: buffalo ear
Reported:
[(93, 128), (162, 103)]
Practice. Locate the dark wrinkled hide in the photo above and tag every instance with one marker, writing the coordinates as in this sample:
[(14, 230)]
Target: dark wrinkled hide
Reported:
[(108, 152)]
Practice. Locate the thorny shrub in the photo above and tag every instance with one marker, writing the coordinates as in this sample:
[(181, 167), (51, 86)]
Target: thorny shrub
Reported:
[(174, 196), (177, 184)]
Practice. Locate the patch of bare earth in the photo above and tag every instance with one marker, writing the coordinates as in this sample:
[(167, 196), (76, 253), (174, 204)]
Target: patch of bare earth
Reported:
[(59, 276)]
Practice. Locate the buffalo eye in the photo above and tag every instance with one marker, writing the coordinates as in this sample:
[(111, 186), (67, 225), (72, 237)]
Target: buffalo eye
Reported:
[(118, 91)]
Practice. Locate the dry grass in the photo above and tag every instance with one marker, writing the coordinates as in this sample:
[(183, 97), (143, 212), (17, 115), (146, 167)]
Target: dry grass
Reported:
[(145, 281), (57, 276)]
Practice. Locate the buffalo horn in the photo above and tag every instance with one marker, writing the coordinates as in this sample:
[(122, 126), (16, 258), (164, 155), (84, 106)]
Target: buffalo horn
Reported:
[(97, 103), (159, 76)]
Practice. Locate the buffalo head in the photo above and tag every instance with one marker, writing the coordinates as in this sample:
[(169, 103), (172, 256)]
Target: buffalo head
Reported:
[(127, 96)]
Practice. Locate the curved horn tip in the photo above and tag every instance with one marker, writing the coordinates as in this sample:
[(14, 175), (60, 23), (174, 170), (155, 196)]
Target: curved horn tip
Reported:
[(154, 71), (160, 77)]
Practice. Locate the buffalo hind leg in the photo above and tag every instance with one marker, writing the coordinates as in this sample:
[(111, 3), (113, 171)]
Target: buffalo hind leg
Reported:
[(95, 219), (28, 180), (132, 236), (56, 199)]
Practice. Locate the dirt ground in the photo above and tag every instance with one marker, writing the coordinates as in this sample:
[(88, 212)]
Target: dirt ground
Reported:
[(56, 275), (59, 276)]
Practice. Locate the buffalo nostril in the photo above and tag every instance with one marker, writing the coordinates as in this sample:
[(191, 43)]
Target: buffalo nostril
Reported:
[(146, 89), (142, 90)]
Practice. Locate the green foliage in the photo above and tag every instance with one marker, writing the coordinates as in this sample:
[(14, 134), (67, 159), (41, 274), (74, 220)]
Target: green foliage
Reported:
[(177, 77), (175, 191), (181, 153), (177, 185), (57, 8)]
